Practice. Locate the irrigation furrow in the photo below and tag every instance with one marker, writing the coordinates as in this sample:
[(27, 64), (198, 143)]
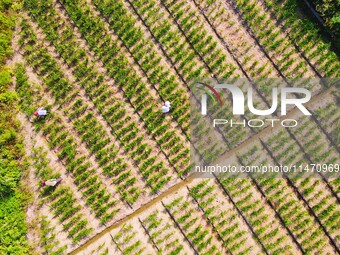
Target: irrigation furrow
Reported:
[(148, 234)]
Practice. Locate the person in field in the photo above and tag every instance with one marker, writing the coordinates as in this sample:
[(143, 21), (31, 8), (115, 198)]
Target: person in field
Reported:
[(41, 112), (51, 182), (166, 107)]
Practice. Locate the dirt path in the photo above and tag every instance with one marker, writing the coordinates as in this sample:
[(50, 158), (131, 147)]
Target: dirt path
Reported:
[(56, 164), (33, 212)]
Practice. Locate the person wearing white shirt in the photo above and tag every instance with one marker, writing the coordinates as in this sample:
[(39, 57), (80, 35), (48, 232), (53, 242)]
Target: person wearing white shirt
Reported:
[(40, 113), (166, 107), (51, 182)]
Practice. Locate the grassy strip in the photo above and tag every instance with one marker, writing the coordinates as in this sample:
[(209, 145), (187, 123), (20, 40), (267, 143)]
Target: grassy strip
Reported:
[(13, 228)]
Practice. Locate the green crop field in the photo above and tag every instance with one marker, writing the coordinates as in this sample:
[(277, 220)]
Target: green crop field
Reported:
[(103, 69)]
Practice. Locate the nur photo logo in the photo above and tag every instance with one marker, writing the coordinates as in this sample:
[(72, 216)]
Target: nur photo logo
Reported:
[(230, 95)]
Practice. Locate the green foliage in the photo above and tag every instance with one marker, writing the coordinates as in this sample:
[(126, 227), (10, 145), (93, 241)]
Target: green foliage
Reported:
[(6, 30), (12, 212), (12, 216), (329, 11), (11, 149), (12, 225)]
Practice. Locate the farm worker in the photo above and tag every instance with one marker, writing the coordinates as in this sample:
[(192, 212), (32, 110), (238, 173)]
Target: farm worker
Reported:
[(166, 107), (40, 113), (51, 182)]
